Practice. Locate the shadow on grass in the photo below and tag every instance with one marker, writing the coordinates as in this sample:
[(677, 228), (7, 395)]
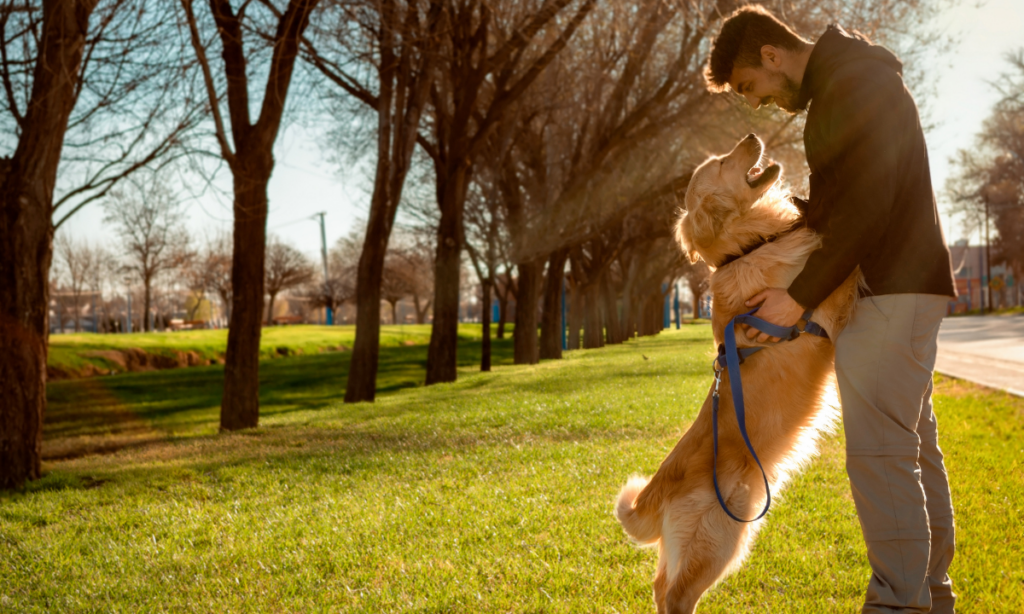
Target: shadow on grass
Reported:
[(102, 415), (577, 399), (122, 409)]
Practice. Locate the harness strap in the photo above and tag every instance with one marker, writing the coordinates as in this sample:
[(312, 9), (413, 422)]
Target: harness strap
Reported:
[(734, 357)]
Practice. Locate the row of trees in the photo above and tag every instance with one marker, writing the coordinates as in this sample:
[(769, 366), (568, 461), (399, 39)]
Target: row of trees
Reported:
[(989, 179), (154, 252), (561, 125), (564, 126)]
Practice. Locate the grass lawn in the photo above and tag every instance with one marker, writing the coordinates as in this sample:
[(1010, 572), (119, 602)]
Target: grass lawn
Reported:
[(72, 352), (492, 494)]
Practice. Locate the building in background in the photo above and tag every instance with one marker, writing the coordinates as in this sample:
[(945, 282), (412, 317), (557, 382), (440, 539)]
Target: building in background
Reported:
[(973, 287)]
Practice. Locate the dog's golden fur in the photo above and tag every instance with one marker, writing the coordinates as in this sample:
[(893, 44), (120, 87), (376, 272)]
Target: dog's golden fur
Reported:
[(786, 387)]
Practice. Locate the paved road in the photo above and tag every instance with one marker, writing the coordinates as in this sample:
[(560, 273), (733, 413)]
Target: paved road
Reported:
[(988, 350)]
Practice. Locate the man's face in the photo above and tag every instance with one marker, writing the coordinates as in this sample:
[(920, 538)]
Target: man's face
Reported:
[(762, 86)]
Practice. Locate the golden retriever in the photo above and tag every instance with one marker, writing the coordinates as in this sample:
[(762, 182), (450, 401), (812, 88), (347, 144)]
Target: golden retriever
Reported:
[(733, 206)]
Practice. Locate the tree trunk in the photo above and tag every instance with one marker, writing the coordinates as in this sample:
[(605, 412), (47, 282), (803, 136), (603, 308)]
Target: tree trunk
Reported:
[(502, 314), (26, 207), (271, 296), (526, 350), (362, 375), (25, 256), (421, 312), (240, 407), (78, 315), (551, 325), (146, 302), (394, 312), (575, 316), (593, 336), (612, 327), (441, 355), (696, 289), (485, 318)]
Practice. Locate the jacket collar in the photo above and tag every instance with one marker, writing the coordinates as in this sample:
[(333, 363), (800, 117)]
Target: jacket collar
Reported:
[(814, 74), (835, 48)]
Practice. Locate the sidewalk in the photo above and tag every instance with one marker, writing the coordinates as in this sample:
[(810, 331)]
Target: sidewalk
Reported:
[(987, 350)]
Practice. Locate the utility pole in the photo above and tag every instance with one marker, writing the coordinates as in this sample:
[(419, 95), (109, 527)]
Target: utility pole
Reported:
[(988, 264), (323, 254)]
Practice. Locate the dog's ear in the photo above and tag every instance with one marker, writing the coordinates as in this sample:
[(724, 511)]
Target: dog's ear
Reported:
[(700, 224)]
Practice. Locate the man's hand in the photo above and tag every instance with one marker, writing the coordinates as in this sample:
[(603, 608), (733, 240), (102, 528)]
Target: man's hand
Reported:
[(777, 307)]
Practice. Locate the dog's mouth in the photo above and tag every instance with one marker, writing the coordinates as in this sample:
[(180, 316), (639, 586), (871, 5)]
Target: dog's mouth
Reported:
[(761, 176)]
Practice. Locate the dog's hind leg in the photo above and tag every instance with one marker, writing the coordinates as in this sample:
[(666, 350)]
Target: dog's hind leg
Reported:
[(717, 547), (660, 584)]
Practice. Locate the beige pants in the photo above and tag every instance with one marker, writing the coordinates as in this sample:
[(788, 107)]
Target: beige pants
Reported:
[(884, 362)]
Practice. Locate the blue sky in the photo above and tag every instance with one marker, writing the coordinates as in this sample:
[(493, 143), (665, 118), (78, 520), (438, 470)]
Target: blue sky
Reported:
[(303, 183)]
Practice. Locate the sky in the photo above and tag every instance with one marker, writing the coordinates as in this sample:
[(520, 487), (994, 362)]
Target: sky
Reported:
[(304, 183)]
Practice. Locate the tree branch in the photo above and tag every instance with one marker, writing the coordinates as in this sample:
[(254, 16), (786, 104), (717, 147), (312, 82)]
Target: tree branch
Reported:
[(211, 89)]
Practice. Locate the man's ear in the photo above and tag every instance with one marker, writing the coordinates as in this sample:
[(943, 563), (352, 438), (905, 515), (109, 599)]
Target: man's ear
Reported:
[(770, 57)]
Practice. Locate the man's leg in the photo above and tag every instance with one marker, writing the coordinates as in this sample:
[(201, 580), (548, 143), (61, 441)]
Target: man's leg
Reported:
[(884, 364), (940, 511)]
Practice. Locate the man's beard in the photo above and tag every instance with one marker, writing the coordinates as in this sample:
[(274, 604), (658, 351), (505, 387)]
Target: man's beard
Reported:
[(789, 94)]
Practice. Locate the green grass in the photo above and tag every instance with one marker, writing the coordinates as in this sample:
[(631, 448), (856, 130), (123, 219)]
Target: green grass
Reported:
[(492, 494), (110, 412), (73, 352)]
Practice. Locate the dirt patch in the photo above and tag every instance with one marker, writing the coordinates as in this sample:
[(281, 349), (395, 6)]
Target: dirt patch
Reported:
[(130, 360), (95, 422), (109, 355)]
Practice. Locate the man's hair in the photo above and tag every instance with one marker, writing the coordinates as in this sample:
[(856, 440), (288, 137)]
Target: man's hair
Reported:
[(739, 43)]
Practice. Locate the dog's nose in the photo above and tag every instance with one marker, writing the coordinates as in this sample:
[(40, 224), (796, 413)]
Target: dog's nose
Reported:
[(751, 136)]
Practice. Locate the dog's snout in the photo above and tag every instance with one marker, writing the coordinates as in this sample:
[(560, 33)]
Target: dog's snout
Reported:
[(750, 136)]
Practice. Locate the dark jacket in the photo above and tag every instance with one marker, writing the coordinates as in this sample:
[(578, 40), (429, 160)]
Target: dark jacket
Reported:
[(871, 195)]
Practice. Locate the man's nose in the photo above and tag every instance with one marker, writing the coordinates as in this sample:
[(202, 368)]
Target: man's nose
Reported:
[(753, 100)]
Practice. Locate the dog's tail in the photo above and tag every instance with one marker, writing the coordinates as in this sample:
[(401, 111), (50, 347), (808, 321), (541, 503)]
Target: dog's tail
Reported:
[(643, 528)]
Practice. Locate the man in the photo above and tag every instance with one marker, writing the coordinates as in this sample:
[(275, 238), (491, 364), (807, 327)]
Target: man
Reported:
[(871, 201)]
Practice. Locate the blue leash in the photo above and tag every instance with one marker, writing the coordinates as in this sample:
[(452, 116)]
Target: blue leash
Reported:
[(734, 357)]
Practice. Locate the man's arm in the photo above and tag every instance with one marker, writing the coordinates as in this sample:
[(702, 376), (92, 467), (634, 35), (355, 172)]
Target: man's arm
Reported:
[(868, 111), (867, 108)]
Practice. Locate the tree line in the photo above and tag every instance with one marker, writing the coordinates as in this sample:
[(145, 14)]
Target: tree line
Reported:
[(987, 187), (549, 138), (178, 280)]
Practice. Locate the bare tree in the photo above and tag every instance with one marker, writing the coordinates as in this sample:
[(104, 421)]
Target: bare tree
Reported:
[(286, 268), (76, 265), (696, 276), (330, 294), (219, 268), (208, 270), (27, 180), (395, 284), (416, 255), (249, 156), (484, 243), (400, 38), (489, 58), (93, 87), (149, 222), (103, 269), (619, 116), (990, 176)]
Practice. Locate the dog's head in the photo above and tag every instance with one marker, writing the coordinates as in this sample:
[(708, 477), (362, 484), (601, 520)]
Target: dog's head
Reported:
[(722, 189)]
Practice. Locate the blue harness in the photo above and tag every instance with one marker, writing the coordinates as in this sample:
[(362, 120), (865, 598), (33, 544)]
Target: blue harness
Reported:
[(730, 357)]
